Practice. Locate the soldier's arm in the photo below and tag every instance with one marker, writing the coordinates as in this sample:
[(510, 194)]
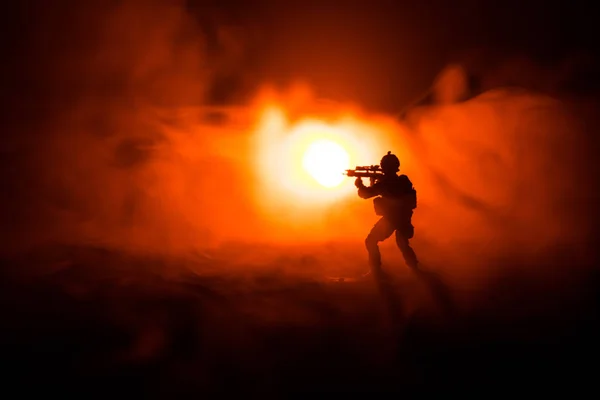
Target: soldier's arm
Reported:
[(366, 192)]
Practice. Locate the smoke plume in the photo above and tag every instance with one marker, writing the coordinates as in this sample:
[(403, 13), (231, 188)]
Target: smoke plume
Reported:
[(135, 154)]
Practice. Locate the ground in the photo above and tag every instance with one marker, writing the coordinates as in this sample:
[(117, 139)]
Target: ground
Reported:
[(95, 321)]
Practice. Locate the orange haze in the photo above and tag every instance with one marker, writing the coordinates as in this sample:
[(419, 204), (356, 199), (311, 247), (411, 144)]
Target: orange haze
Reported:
[(496, 176)]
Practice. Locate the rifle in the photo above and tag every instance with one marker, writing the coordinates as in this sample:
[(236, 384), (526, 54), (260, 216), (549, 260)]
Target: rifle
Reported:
[(373, 172)]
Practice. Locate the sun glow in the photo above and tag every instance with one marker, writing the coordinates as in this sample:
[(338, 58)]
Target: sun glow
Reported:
[(303, 163), (325, 161)]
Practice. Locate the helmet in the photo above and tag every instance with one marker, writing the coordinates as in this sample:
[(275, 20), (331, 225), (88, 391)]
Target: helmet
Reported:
[(390, 163)]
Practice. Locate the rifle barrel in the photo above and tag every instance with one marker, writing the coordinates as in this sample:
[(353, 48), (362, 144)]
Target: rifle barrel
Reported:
[(363, 174)]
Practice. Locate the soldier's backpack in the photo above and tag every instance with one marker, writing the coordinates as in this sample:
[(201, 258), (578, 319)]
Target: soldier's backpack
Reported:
[(410, 196)]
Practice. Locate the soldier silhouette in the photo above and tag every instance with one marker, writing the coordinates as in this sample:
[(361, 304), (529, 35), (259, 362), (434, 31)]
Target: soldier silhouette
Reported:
[(395, 203)]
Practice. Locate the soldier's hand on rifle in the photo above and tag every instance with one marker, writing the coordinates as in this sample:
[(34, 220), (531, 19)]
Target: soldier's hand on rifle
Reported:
[(359, 183)]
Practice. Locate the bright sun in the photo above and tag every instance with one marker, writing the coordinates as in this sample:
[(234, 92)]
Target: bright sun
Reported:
[(326, 161), (302, 164)]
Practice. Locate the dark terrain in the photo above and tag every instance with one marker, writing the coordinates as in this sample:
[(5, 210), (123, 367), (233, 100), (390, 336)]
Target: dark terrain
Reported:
[(97, 322)]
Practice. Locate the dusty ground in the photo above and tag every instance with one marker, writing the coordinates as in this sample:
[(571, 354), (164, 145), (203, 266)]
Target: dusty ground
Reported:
[(98, 322)]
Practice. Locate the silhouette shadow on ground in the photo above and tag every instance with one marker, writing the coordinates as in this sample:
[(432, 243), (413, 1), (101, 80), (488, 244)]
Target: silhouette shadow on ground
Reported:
[(99, 322), (438, 289)]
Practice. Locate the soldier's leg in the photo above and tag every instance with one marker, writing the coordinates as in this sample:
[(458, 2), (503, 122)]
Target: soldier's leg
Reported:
[(402, 240), (380, 231)]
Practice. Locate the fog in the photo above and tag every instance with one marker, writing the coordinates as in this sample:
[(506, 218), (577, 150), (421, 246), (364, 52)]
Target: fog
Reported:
[(140, 158)]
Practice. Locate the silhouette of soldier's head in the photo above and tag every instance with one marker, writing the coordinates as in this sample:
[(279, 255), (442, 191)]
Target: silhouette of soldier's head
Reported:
[(390, 164)]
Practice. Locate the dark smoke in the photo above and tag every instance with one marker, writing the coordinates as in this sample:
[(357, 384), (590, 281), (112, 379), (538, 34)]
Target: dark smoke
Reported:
[(105, 140)]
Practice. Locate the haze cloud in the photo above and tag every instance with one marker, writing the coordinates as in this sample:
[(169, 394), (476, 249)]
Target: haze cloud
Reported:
[(141, 160)]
